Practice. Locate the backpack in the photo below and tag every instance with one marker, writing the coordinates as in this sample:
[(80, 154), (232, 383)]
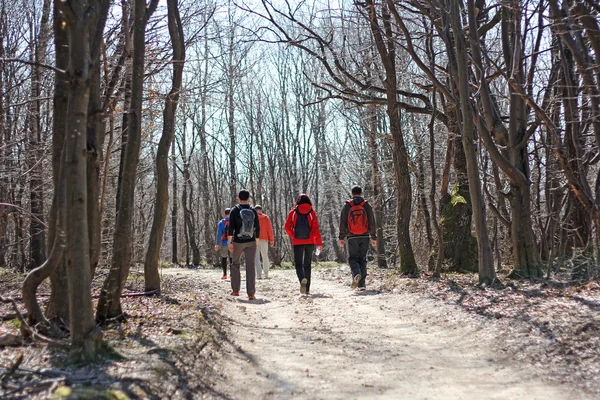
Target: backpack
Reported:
[(302, 226), (225, 233), (358, 222), (247, 228)]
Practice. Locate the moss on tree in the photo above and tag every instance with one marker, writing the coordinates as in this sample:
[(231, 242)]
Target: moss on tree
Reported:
[(460, 246)]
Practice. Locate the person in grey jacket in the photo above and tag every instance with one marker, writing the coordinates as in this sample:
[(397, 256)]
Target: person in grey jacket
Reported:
[(357, 229)]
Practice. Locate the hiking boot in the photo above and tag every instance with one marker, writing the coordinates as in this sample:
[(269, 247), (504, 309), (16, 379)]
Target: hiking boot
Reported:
[(356, 280), (224, 277), (235, 293), (251, 297), (303, 286)]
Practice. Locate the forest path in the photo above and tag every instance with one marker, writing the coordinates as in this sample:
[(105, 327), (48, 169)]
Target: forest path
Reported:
[(338, 343)]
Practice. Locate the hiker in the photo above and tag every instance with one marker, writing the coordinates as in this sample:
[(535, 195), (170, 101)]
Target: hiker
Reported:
[(357, 223), (266, 238), (303, 227), (221, 241), (243, 234)]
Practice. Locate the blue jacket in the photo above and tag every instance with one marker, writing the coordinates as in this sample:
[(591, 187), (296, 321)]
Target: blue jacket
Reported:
[(221, 232)]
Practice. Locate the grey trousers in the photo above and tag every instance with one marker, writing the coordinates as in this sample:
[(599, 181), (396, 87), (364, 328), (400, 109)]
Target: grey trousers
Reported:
[(249, 251)]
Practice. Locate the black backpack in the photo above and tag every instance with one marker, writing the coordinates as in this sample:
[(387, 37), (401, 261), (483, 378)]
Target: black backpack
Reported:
[(302, 227), (247, 228)]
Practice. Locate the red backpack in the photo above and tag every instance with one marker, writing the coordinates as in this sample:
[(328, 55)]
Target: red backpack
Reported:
[(225, 234), (358, 222)]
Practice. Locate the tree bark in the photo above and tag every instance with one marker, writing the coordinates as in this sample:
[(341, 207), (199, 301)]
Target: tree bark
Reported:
[(96, 128), (37, 231), (3, 151), (84, 333), (58, 303), (387, 54), (174, 247), (152, 278), (456, 207), (109, 304), (485, 260), (377, 187)]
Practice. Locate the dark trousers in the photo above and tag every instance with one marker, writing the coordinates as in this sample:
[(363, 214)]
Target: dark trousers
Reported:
[(225, 254), (357, 248), (249, 251), (302, 260), (224, 264)]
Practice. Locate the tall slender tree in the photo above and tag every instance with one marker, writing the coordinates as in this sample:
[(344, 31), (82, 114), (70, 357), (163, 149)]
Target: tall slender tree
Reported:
[(109, 304), (152, 278)]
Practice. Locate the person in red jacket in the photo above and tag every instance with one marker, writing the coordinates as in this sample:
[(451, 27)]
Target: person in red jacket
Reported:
[(302, 226), (266, 238)]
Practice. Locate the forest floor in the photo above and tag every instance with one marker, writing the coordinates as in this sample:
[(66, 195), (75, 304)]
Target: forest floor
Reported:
[(401, 338)]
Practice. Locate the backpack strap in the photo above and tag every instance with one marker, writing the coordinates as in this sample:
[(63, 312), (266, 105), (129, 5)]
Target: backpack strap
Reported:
[(351, 203), (308, 215)]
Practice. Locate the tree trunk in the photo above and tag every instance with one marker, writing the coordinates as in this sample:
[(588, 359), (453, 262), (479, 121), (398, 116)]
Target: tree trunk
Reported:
[(37, 245), (95, 143), (408, 264), (174, 249), (4, 180), (456, 208), (377, 187), (161, 202), (230, 125), (84, 333), (487, 273), (527, 262), (109, 304), (58, 304)]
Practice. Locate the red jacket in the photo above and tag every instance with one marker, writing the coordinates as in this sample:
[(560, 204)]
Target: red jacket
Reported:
[(290, 223), (266, 229)]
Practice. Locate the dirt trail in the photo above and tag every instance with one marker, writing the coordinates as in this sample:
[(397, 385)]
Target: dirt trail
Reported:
[(342, 344)]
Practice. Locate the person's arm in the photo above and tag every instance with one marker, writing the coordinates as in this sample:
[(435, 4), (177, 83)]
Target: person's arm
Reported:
[(256, 226), (315, 232), (288, 225), (220, 232), (372, 223), (218, 239), (270, 234), (343, 223), (233, 215)]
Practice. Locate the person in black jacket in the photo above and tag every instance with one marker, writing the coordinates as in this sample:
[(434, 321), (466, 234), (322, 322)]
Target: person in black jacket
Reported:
[(244, 231), (357, 224)]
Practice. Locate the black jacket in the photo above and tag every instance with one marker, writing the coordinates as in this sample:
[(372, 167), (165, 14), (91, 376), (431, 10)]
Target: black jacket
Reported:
[(235, 224), (344, 219)]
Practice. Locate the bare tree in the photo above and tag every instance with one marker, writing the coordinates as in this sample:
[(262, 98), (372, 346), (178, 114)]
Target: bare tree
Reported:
[(109, 304), (152, 278)]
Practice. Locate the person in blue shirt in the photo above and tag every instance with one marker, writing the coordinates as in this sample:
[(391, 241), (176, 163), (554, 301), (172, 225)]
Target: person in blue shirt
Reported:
[(221, 242)]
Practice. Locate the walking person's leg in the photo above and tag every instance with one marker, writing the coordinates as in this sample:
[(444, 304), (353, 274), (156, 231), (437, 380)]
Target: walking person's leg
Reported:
[(307, 264), (299, 264), (363, 248), (353, 246), (259, 270), (224, 254), (238, 249), (264, 253), (250, 255)]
